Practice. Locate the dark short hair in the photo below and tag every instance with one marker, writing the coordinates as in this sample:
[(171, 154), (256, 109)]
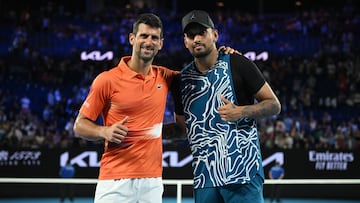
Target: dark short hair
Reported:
[(149, 19)]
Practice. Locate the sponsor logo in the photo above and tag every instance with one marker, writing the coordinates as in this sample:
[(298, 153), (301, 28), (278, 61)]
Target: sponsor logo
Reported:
[(85, 159), (170, 159), (96, 56), (109, 55), (20, 158), (331, 161), (276, 157), (262, 56)]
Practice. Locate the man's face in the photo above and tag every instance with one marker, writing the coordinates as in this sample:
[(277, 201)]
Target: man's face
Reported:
[(199, 40), (147, 42)]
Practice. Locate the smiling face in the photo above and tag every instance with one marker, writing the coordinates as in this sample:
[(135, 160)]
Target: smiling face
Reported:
[(146, 42)]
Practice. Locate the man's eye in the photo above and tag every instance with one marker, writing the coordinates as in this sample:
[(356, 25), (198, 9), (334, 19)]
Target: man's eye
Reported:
[(191, 36)]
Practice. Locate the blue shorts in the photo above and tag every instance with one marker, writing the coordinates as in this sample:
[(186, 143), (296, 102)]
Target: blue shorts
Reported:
[(234, 193)]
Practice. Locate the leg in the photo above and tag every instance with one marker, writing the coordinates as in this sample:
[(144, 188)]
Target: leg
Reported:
[(62, 189), (272, 192), (149, 190), (71, 192), (112, 191), (277, 194)]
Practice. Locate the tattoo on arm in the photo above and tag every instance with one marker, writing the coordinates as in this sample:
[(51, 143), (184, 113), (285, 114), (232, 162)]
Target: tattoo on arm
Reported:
[(262, 109)]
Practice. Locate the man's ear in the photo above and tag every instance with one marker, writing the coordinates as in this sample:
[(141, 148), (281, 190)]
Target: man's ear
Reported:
[(161, 44), (216, 35), (131, 38), (185, 41)]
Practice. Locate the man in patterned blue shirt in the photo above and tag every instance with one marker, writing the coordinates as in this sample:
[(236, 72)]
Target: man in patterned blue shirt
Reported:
[(220, 116)]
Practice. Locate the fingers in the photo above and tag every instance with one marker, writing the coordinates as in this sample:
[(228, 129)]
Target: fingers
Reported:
[(222, 48), (118, 131), (120, 125), (117, 138), (228, 50), (118, 134), (225, 100), (226, 111)]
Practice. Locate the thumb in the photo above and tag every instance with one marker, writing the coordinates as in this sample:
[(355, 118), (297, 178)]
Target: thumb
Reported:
[(225, 100), (124, 120)]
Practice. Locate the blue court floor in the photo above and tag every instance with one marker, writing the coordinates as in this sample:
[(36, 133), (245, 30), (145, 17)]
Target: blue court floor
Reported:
[(165, 200)]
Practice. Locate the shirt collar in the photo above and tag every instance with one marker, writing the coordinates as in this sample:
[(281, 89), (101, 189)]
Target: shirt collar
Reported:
[(124, 67)]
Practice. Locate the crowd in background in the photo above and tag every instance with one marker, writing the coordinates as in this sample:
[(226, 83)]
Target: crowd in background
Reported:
[(314, 67)]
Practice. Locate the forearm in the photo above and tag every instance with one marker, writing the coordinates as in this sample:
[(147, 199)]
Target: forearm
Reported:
[(267, 105), (180, 121), (179, 124), (262, 109), (87, 129)]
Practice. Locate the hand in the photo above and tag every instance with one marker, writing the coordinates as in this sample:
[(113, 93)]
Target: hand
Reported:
[(117, 132), (228, 112), (228, 50)]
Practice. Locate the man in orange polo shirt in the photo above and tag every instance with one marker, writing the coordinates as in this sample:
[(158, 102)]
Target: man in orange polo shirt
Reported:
[(131, 99)]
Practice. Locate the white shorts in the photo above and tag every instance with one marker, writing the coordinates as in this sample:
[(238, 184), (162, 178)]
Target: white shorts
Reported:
[(134, 190)]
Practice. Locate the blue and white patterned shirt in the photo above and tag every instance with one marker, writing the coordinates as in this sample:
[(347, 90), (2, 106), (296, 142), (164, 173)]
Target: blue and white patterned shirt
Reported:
[(223, 152)]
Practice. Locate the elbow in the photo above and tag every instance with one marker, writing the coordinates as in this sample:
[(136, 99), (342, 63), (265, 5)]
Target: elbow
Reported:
[(277, 108), (75, 129)]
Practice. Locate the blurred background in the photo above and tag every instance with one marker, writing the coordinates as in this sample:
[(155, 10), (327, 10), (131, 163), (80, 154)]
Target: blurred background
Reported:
[(50, 51)]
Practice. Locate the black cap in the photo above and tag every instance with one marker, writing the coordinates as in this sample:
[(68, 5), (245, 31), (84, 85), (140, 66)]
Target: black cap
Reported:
[(197, 16)]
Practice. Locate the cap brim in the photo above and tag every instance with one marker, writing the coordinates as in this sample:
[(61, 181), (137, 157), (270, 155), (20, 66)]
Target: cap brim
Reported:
[(194, 23)]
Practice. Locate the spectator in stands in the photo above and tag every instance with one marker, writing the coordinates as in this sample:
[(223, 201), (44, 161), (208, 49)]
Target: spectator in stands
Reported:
[(276, 172), (221, 116), (67, 189), (25, 104)]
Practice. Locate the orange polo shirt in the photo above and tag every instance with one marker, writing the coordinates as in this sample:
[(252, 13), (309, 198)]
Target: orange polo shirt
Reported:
[(121, 92)]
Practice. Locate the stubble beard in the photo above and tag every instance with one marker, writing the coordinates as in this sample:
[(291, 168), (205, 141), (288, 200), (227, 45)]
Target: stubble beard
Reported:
[(201, 54), (146, 57)]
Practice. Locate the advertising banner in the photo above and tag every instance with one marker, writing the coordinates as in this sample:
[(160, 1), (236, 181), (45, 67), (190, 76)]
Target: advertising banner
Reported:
[(298, 164)]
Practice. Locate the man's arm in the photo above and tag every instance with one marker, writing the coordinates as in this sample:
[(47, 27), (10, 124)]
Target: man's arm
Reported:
[(180, 121), (270, 174), (178, 107), (89, 130), (267, 105)]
